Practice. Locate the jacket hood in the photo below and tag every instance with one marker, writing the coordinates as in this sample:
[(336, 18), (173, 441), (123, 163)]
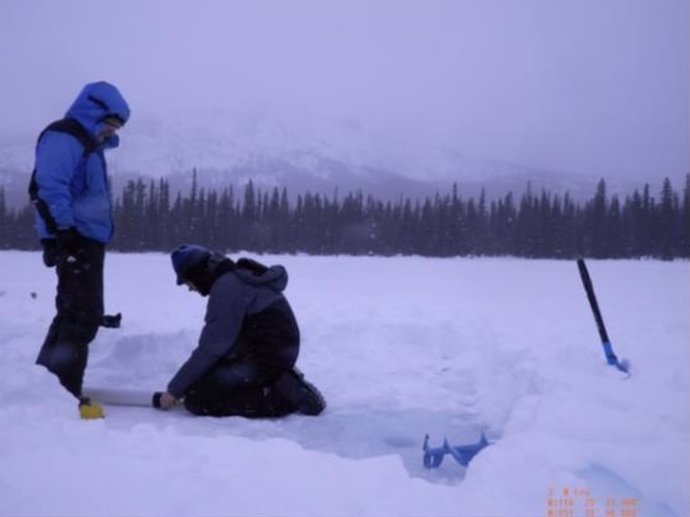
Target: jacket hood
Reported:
[(96, 102), (274, 277), (211, 265)]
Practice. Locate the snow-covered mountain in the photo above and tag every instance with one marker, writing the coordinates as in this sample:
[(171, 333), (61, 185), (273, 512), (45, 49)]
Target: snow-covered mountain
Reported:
[(303, 152)]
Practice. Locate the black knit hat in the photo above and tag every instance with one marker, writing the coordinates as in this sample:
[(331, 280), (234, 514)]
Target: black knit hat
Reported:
[(188, 259)]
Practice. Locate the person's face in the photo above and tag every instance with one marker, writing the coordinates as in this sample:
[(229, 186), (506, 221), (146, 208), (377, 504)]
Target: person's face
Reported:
[(109, 127)]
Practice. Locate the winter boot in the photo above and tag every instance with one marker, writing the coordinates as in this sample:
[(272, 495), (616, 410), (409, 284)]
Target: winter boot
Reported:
[(89, 410), (306, 398)]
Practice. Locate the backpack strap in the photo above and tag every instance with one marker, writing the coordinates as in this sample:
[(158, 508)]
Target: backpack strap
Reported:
[(74, 128), (89, 145)]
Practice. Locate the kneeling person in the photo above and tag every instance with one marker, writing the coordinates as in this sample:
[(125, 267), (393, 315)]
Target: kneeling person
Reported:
[(244, 362)]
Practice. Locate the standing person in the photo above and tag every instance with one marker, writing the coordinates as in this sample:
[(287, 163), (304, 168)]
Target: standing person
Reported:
[(244, 362), (71, 193)]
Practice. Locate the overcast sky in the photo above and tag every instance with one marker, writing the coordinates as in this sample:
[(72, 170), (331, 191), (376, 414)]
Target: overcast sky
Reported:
[(589, 86)]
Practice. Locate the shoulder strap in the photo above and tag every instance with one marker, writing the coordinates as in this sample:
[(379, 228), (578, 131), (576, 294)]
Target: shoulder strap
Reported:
[(74, 128), (89, 145)]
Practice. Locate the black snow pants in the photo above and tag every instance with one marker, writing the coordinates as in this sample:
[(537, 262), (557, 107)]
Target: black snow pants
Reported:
[(242, 385), (79, 304)]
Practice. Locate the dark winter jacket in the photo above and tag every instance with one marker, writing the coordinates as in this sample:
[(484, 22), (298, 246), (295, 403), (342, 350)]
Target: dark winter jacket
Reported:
[(73, 185), (234, 298)]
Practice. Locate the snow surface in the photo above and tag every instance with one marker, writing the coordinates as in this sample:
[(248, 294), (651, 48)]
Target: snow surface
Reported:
[(400, 347)]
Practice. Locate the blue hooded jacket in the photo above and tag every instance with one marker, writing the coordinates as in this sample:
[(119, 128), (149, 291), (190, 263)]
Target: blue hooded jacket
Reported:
[(74, 186)]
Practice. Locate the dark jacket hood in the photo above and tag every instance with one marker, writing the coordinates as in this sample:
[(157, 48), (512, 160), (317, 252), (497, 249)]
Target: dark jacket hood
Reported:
[(247, 270), (274, 277)]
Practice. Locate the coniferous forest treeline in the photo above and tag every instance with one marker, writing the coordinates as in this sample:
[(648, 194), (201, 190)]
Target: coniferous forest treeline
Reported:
[(532, 224)]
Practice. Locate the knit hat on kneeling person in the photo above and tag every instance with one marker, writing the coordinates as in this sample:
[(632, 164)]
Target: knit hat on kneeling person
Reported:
[(188, 260)]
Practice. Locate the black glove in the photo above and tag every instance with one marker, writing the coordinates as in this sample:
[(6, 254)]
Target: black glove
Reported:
[(51, 255), (111, 322), (68, 242)]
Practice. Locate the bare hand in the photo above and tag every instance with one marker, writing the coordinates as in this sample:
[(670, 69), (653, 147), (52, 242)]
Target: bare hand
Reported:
[(167, 400)]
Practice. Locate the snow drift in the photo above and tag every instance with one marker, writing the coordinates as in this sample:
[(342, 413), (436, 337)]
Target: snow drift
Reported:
[(400, 347)]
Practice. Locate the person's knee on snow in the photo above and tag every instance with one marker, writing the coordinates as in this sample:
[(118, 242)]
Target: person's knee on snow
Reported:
[(253, 402)]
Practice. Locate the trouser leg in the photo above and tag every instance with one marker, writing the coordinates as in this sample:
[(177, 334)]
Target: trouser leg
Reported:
[(254, 402), (79, 304), (242, 388), (65, 358)]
